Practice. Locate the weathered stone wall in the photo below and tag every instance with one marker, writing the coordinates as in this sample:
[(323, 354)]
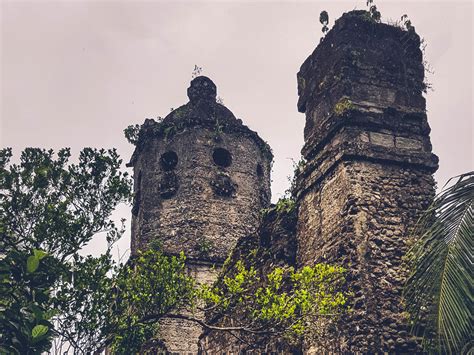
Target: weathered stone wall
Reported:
[(180, 335), (368, 172), (196, 219), (360, 217), (201, 178), (367, 178)]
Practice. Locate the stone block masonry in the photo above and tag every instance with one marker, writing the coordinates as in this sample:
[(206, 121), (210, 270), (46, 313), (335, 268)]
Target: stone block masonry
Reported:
[(201, 178), (368, 174)]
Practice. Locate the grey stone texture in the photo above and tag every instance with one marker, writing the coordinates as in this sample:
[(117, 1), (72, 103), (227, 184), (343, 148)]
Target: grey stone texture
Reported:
[(367, 178), (368, 174), (201, 178), (360, 216)]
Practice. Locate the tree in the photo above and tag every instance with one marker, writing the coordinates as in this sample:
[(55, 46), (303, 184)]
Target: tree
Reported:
[(277, 304), (439, 289), (145, 290), (53, 299), (83, 305), (49, 210)]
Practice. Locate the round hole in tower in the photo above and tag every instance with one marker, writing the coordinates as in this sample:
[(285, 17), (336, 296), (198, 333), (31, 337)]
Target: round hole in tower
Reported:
[(168, 160), (222, 157), (259, 170)]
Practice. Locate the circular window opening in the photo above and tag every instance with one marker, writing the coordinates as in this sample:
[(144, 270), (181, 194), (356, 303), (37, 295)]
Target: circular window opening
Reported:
[(168, 160), (259, 170), (222, 157)]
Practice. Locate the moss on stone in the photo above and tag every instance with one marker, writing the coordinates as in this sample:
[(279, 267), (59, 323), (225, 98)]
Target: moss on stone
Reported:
[(343, 105)]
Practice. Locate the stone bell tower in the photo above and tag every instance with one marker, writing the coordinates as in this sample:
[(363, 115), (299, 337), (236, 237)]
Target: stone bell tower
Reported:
[(368, 174), (201, 178)]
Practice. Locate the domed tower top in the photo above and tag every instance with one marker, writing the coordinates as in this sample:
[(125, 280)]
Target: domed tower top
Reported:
[(202, 88), (201, 178)]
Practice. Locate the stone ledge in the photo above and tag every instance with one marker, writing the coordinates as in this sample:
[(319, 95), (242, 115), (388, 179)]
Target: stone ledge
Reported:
[(352, 143), (399, 123)]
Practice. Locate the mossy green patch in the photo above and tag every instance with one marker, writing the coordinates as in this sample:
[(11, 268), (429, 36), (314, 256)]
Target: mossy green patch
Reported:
[(343, 105)]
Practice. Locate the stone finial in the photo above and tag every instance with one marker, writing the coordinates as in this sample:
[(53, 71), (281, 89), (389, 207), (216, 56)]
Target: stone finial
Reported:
[(202, 88)]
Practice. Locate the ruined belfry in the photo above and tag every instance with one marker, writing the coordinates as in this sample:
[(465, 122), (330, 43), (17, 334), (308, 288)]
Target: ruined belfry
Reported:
[(368, 174), (201, 177)]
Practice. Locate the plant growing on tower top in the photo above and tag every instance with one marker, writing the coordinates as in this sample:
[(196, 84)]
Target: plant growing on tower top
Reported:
[(324, 19)]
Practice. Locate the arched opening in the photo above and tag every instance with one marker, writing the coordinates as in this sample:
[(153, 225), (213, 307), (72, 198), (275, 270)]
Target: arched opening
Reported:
[(222, 157), (259, 170), (168, 160)]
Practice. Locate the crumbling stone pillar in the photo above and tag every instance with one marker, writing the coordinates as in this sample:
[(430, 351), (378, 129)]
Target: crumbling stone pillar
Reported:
[(368, 173), (201, 178)]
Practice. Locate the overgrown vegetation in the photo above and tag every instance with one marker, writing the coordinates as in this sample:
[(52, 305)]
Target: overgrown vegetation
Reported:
[(49, 210), (144, 291), (280, 304), (343, 105), (52, 299), (204, 247), (196, 71), (287, 203), (406, 23), (374, 15), (138, 134), (131, 133), (324, 20), (373, 11)]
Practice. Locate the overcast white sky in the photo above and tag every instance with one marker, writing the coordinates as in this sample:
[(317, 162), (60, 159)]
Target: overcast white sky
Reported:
[(76, 73)]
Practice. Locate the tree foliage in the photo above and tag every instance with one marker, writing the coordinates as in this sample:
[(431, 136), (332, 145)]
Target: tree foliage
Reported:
[(83, 304), (54, 299), (49, 209), (25, 308), (148, 287), (131, 133), (439, 289), (280, 303)]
